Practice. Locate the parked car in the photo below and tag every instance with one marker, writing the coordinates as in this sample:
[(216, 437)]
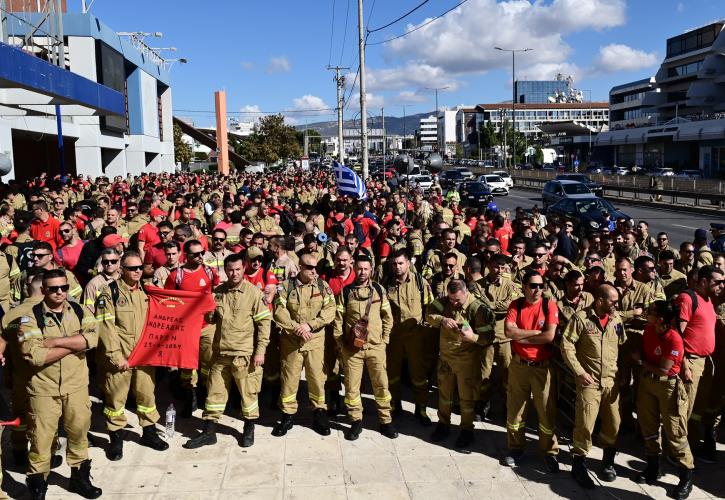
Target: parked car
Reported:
[(450, 179), (557, 190), (594, 170), (495, 183), (691, 174), (423, 182), (663, 172), (474, 194), (467, 174), (587, 213), (593, 186), (505, 176), (616, 171), (548, 166)]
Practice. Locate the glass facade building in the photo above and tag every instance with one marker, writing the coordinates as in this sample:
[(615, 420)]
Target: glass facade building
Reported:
[(538, 92)]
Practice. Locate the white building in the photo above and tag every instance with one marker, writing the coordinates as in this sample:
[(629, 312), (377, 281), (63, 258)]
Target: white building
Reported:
[(428, 132), (447, 128), (114, 102)]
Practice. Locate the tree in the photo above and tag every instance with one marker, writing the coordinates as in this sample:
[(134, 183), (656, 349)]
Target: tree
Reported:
[(539, 156), (182, 151), (271, 141), (489, 137)]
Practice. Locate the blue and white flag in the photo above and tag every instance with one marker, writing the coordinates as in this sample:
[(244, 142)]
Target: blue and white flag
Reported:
[(348, 182)]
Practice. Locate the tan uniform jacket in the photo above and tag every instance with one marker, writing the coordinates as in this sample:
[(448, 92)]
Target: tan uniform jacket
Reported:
[(68, 374), (673, 283), (568, 308), (93, 290), (298, 303), (434, 262), (120, 324), (9, 274), (635, 295), (408, 301), (350, 310), (496, 295), (587, 348), (242, 319), (475, 312), (10, 328)]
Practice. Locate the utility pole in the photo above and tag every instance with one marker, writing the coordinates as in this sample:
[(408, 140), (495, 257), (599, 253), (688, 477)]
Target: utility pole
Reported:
[(363, 103), (513, 102), (340, 84), (438, 129), (404, 129), (382, 116)]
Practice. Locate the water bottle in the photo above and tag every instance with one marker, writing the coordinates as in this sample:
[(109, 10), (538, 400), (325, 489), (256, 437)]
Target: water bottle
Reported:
[(170, 420)]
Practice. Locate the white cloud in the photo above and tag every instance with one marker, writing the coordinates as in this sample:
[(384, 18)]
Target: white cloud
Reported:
[(411, 97), (247, 65), (374, 102), (310, 102), (279, 64), (548, 71), (619, 57), (250, 112), (680, 7), (463, 41)]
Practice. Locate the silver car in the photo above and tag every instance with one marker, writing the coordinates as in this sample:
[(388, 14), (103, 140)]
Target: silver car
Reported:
[(558, 190)]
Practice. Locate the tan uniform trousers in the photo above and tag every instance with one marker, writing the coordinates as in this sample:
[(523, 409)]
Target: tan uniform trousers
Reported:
[(462, 372), (410, 345), (697, 365), (117, 383), (272, 367), (710, 400), (354, 362), (190, 378), (248, 379), (20, 400), (593, 402), (501, 353), (664, 400), (628, 373), (537, 383), (45, 411), (292, 361), (333, 362)]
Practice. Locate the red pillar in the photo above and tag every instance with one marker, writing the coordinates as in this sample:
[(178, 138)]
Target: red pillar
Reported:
[(220, 101)]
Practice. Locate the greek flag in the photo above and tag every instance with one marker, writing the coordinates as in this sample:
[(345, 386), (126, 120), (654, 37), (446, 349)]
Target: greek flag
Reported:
[(348, 182)]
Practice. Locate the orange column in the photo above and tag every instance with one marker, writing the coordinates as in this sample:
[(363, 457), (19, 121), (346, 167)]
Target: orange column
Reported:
[(220, 101)]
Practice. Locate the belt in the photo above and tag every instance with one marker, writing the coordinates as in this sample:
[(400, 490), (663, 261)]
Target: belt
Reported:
[(526, 362), (693, 356), (659, 378)]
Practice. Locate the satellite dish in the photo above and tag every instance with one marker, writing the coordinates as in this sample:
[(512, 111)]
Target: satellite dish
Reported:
[(6, 164)]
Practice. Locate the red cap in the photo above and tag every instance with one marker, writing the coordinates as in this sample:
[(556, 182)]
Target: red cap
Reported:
[(155, 212), (112, 240)]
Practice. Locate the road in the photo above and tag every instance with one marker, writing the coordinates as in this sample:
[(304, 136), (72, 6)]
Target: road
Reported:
[(679, 226)]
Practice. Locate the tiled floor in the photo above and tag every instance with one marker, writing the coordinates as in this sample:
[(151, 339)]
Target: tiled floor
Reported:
[(303, 465)]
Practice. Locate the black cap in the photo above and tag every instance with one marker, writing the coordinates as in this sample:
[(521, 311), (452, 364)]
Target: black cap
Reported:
[(718, 226)]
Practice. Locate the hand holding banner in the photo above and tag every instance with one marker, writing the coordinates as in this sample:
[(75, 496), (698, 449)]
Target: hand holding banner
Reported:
[(173, 327)]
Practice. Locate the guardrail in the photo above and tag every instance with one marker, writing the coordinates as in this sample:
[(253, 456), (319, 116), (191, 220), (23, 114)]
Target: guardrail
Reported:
[(630, 193)]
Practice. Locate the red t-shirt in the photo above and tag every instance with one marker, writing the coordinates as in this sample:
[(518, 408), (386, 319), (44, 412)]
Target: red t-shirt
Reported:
[(156, 256), (67, 257), (668, 346), (699, 333), (603, 321), (149, 235), (367, 224), (193, 281), (47, 231), (337, 283), (259, 279), (533, 317)]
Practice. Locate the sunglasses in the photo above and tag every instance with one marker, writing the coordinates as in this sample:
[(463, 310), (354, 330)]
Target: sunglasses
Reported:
[(58, 288), (66, 231), (717, 282), (450, 266), (539, 255), (164, 233), (592, 259), (107, 262), (307, 267), (40, 255), (220, 240), (535, 286), (133, 269), (257, 259)]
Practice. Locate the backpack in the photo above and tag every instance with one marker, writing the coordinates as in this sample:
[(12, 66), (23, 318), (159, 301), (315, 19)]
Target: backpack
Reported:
[(25, 255), (293, 286), (359, 232), (38, 313), (346, 292), (180, 276), (419, 285)]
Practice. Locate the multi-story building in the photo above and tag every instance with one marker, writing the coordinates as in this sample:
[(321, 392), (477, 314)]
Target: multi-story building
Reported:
[(540, 91), (113, 98), (447, 128), (626, 108), (428, 132), (683, 122)]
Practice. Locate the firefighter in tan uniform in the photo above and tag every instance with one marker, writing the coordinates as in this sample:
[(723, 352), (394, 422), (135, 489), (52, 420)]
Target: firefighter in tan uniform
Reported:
[(54, 340), (110, 264), (242, 322), (634, 298), (436, 257), (364, 317), (496, 291), (590, 347), (408, 294), (465, 324), (574, 299), (9, 275), (43, 259), (121, 314), (303, 308)]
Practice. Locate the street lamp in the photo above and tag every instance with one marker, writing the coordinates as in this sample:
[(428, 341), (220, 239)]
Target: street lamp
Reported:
[(170, 62), (589, 125), (513, 90), (438, 132)]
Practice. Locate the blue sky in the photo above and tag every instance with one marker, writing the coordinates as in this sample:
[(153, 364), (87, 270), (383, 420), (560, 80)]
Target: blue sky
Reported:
[(271, 56)]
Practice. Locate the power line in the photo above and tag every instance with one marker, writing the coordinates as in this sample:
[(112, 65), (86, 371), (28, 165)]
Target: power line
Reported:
[(311, 110), (332, 31), (421, 26), (344, 33), (401, 17)]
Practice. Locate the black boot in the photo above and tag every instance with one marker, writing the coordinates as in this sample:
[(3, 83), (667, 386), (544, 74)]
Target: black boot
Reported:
[(248, 434), (20, 458), (483, 409), (335, 404), (151, 438), (37, 485), (684, 487), (354, 431), (440, 432), (283, 425), (650, 474), (189, 406), (388, 430), (115, 447), (421, 415), (708, 451), (580, 472), (320, 422), (465, 439), (80, 481), (608, 472), (56, 461), (397, 408), (207, 436)]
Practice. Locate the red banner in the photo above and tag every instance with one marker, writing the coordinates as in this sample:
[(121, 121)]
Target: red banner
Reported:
[(173, 327)]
